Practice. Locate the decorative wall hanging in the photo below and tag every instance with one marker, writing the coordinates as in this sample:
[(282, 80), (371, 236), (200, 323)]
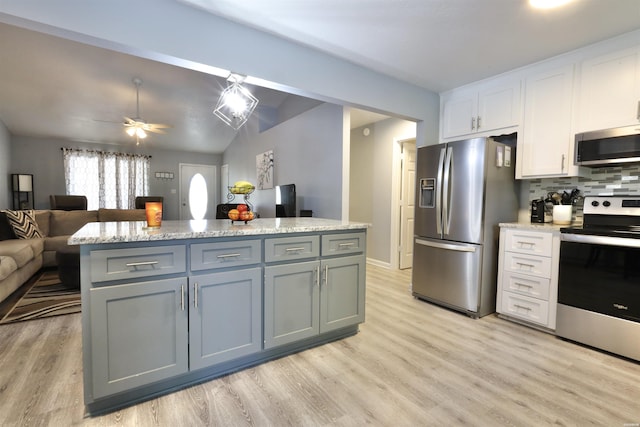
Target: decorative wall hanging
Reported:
[(264, 170)]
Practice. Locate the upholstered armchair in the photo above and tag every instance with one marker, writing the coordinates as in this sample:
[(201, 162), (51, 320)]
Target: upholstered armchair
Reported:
[(68, 203)]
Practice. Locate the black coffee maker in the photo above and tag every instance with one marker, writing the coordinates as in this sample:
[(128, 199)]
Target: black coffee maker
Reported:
[(537, 211)]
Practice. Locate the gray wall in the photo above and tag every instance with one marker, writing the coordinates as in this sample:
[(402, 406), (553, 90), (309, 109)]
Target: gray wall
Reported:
[(307, 152), (43, 159), (5, 157), (371, 174)]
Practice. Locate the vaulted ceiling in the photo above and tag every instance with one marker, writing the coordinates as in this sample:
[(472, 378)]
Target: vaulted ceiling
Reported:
[(57, 88)]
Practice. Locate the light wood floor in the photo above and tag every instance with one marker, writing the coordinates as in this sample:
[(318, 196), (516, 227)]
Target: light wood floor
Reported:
[(412, 364)]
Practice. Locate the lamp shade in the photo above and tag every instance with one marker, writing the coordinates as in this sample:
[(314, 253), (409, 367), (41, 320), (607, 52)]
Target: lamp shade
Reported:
[(22, 182), (235, 105)]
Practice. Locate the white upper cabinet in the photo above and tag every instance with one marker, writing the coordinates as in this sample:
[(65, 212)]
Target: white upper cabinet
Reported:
[(610, 91), (481, 108), (545, 145)]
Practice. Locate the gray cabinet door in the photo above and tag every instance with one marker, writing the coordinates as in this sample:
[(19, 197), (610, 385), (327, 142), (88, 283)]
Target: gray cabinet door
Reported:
[(342, 292), (291, 302), (138, 334), (225, 316)]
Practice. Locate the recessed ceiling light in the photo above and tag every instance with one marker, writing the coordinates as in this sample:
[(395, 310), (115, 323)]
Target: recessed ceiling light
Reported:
[(548, 4)]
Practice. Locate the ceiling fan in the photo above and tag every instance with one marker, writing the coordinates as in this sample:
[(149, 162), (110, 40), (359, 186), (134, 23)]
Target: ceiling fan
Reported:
[(137, 126)]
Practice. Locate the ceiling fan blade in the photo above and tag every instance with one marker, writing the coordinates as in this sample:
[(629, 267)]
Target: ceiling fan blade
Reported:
[(129, 121), (161, 131), (159, 126)]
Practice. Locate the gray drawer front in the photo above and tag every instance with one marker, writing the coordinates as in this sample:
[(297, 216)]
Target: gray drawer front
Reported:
[(118, 264), (206, 256), (291, 248), (341, 244)]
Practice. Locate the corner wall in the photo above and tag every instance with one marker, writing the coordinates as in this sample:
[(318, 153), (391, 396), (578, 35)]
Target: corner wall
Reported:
[(5, 156), (307, 152)]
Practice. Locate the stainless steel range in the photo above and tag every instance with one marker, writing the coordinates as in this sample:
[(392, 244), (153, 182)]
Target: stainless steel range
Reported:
[(599, 277)]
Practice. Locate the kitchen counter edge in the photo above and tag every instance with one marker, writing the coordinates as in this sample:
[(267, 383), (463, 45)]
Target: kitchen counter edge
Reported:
[(137, 231), (534, 226)]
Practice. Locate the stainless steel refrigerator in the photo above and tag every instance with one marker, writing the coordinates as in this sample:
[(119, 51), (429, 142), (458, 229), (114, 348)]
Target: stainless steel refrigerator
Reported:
[(464, 189)]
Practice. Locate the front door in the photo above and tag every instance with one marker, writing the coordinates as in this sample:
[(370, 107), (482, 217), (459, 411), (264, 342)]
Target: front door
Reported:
[(197, 191)]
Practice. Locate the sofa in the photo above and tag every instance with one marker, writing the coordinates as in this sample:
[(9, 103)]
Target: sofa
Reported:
[(21, 258)]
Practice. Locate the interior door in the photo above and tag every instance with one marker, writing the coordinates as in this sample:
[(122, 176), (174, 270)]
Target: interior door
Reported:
[(407, 203), (192, 194)]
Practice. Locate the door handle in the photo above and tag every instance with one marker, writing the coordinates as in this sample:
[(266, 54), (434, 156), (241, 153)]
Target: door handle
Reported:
[(448, 246), (439, 192), (446, 196)]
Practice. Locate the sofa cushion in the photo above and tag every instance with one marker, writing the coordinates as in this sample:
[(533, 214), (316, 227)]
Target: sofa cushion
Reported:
[(7, 266), (121, 215), (6, 231), (55, 243), (24, 224), (22, 250), (43, 218), (65, 223)]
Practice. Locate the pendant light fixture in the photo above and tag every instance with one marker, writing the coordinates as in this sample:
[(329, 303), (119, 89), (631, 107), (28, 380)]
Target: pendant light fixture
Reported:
[(236, 103)]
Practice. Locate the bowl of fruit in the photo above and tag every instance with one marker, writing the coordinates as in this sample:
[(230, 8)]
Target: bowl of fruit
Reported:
[(241, 213)]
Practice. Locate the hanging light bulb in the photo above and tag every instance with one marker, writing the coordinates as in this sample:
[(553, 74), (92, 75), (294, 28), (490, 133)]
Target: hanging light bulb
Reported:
[(131, 131), (236, 103), (141, 133)]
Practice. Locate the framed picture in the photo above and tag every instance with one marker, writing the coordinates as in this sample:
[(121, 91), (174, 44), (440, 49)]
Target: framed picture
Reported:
[(264, 170)]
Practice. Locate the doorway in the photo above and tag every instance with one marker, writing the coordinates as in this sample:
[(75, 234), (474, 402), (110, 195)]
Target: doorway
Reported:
[(197, 191), (402, 202)]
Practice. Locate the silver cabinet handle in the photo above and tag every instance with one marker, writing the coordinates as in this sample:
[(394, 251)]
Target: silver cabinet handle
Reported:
[(562, 165), (223, 256), (294, 249), (522, 264), (345, 245), (479, 118), (527, 244), (473, 123), (638, 115), (141, 263), (326, 274), (317, 278), (195, 295), (182, 297), (522, 307), (524, 285)]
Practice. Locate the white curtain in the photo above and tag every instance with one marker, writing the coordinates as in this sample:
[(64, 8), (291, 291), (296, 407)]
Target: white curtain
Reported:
[(109, 180)]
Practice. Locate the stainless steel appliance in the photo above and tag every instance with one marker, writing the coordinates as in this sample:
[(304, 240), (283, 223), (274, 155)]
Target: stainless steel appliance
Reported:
[(608, 147), (599, 277), (465, 188)]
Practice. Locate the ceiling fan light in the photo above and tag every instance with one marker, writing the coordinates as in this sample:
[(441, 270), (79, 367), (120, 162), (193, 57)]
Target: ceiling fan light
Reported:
[(141, 133), (131, 131)]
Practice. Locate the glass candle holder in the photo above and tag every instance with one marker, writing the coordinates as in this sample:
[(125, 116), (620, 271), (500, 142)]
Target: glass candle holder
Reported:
[(154, 213)]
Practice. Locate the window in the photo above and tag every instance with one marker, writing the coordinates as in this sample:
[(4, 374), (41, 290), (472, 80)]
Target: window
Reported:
[(109, 180)]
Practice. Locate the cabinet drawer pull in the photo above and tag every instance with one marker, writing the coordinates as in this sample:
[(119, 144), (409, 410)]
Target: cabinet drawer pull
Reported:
[(479, 122), (346, 245), (229, 256), (294, 249), (326, 274), (522, 307), (524, 245), (524, 285), (317, 271), (522, 264), (141, 263), (195, 295), (182, 297)]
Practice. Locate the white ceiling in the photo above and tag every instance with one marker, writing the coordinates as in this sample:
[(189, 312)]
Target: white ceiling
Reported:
[(50, 87)]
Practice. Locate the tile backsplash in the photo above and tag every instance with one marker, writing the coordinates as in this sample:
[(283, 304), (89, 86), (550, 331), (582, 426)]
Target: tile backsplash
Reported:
[(618, 180)]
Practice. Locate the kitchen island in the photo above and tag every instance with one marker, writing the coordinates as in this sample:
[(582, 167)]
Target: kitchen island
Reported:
[(167, 307)]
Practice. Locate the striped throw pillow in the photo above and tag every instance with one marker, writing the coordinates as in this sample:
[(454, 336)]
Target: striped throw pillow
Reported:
[(24, 224)]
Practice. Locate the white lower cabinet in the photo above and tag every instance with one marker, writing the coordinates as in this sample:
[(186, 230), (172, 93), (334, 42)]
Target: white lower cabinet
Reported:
[(528, 275)]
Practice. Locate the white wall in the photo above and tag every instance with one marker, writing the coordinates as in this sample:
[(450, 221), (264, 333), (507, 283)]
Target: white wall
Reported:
[(307, 152), (5, 156), (371, 181)]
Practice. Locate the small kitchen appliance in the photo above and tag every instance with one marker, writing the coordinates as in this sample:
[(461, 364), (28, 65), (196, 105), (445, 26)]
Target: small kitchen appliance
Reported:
[(599, 276), (537, 211)]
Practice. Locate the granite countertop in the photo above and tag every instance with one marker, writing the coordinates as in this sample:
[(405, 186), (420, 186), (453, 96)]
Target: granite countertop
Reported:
[(548, 226), (137, 231)]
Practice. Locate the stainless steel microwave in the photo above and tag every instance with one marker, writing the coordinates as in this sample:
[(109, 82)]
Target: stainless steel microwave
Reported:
[(608, 147)]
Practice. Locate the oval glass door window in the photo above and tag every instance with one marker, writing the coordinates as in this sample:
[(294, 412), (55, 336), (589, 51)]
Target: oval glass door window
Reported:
[(198, 197)]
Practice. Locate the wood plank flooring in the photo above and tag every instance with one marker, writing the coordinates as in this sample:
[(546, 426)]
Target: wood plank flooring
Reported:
[(412, 364)]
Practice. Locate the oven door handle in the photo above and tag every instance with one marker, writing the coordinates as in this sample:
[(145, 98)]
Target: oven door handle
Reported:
[(600, 240)]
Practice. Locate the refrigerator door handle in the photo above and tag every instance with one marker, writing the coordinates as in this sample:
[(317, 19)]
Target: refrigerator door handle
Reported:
[(446, 214), (439, 193), (448, 246)]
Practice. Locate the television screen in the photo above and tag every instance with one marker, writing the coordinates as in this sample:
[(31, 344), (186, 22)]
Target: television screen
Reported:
[(285, 200)]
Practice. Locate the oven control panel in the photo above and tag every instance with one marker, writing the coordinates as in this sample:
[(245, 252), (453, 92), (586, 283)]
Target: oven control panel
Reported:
[(612, 205)]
